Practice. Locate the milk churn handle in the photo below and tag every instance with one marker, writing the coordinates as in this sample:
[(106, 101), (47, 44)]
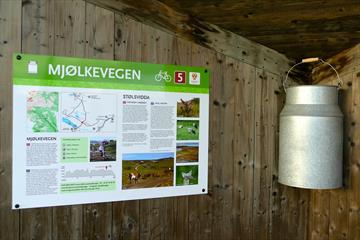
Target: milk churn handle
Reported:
[(309, 60)]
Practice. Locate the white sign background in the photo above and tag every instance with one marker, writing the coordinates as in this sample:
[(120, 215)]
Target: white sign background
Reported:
[(21, 199)]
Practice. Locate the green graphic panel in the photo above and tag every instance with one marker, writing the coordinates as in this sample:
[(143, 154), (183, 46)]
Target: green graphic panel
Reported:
[(74, 150), (39, 70), (98, 186)]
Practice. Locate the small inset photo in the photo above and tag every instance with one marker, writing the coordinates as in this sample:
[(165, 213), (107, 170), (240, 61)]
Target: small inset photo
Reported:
[(147, 170), (188, 107), (102, 149), (187, 175), (187, 152), (187, 130)]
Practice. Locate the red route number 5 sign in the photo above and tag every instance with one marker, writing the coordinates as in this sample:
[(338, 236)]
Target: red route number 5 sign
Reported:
[(180, 77)]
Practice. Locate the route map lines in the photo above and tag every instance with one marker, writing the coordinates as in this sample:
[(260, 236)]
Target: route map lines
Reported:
[(88, 112)]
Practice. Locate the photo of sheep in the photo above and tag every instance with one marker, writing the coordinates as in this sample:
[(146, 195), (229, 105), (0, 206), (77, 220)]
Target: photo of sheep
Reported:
[(187, 152), (187, 175), (147, 170), (187, 130), (188, 107), (102, 149)]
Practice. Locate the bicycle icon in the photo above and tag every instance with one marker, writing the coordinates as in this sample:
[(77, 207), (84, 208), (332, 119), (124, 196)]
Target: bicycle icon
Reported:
[(163, 76)]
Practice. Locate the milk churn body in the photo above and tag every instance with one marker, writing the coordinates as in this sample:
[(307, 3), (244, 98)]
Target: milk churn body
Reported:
[(311, 138)]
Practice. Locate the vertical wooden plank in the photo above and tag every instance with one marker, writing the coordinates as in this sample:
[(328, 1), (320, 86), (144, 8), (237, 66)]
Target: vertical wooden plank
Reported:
[(181, 54), (264, 150), (127, 48), (37, 38), (339, 210), (278, 198), (127, 39), (223, 166), (216, 64), (288, 209), (354, 191), (97, 218), (302, 216), (69, 27), (244, 149), (99, 32), (289, 213), (38, 26), (338, 226), (320, 214), (10, 41), (69, 40), (200, 206)]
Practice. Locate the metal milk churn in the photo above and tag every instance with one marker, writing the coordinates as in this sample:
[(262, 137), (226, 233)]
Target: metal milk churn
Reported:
[(311, 137)]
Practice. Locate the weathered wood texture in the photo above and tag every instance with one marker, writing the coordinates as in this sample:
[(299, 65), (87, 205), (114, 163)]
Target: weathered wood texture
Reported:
[(244, 201), (158, 14), (335, 214), (344, 62), (298, 29), (10, 41)]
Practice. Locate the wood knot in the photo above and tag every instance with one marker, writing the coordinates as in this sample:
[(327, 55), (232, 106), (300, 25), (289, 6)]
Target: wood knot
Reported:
[(94, 212)]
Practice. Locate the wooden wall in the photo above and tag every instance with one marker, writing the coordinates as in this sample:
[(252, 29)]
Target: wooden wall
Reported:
[(335, 214), (244, 201)]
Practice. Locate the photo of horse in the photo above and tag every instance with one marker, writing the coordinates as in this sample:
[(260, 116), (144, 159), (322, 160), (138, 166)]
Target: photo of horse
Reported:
[(147, 170)]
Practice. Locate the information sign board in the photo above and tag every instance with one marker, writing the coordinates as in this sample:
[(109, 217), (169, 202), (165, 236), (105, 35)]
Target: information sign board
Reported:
[(87, 131)]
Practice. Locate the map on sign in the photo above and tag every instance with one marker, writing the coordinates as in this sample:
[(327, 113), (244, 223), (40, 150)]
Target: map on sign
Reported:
[(81, 112), (42, 111)]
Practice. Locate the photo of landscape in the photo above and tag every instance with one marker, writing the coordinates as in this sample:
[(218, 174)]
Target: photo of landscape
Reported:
[(188, 107), (187, 152), (147, 170), (102, 149), (187, 130), (187, 175)]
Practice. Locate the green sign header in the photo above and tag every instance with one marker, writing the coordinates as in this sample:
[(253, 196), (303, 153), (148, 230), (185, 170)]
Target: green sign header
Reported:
[(39, 70)]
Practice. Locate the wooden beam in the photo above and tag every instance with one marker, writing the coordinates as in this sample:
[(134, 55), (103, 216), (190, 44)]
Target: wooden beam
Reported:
[(343, 62), (297, 29), (161, 16)]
